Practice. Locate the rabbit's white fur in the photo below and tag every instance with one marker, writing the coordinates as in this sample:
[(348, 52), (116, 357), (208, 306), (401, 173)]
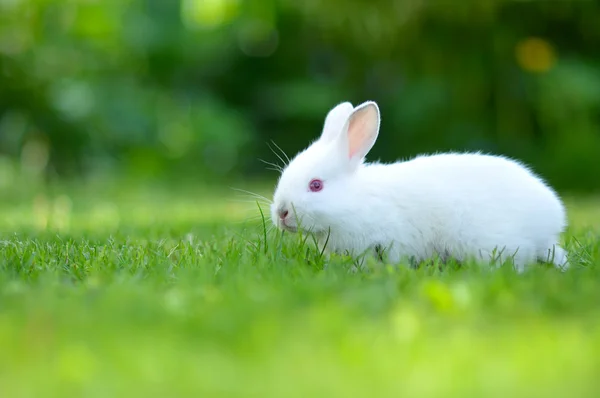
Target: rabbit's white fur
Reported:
[(460, 205)]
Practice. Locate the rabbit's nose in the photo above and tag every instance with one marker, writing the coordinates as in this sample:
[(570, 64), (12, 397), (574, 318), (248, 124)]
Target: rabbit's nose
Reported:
[(283, 214)]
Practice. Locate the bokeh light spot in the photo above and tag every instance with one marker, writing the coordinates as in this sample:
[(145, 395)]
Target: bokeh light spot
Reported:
[(535, 55), (74, 99), (208, 13)]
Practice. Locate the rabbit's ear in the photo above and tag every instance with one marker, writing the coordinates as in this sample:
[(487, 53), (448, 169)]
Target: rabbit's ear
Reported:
[(361, 131), (334, 122)]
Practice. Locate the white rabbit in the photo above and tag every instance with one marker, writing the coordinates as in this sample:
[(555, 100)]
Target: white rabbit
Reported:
[(459, 205)]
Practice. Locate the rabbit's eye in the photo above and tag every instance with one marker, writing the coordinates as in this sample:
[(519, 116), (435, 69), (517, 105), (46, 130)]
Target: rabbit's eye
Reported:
[(315, 185)]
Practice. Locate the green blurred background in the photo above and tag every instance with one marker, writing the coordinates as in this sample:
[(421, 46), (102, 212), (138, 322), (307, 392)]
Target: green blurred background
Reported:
[(196, 89)]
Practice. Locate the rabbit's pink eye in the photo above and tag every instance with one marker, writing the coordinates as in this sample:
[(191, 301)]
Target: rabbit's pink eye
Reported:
[(316, 185)]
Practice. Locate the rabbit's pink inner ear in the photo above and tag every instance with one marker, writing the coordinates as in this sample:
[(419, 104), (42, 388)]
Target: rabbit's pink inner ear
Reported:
[(363, 128)]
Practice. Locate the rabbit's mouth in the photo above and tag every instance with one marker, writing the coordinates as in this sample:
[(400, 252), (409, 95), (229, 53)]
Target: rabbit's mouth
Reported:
[(289, 228)]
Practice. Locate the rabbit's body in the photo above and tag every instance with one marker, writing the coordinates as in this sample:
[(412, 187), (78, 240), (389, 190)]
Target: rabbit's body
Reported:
[(450, 205), (455, 205)]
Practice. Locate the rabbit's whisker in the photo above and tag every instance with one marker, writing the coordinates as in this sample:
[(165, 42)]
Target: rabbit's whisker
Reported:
[(278, 154), (253, 195), (274, 166)]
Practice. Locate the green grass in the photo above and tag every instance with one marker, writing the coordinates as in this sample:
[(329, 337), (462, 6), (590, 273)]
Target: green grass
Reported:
[(167, 293)]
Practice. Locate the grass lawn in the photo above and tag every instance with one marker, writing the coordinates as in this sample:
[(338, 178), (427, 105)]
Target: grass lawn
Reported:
[(160, 292)]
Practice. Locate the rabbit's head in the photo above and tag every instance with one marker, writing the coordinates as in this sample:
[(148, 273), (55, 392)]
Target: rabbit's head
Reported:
[(314, 190)]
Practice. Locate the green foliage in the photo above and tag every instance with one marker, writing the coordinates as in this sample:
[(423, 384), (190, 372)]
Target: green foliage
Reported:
[(142, 291), (193, 87)]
